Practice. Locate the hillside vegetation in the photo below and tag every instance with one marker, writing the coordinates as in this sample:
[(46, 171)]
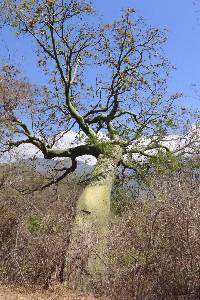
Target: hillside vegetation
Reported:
[(153, 237)]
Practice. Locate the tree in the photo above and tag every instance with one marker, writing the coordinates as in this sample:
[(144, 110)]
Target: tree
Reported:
[(106, 81)]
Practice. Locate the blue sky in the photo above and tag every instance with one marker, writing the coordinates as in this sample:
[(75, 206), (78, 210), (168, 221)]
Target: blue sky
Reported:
[(181, 19)]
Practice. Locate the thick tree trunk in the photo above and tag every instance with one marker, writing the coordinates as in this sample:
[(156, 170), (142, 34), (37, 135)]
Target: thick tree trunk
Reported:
[(86, 257)]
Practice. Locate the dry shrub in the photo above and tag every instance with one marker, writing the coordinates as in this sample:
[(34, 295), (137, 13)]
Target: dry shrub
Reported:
[(153, 241), (35, 229), (155, 245)]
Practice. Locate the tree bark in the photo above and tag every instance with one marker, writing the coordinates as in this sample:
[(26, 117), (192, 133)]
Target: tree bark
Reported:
[(86, 261)]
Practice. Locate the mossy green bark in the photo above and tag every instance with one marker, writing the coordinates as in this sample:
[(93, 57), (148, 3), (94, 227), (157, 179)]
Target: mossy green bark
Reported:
[(86, 258)]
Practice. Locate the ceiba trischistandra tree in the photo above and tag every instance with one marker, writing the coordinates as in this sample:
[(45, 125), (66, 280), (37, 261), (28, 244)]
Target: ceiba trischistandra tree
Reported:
[(105, 80)]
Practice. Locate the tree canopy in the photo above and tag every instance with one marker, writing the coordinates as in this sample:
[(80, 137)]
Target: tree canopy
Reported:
[(104, 80)]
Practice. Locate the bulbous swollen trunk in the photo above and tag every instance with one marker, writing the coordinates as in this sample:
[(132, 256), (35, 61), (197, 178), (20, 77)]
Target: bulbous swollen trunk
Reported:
[(86, 257)]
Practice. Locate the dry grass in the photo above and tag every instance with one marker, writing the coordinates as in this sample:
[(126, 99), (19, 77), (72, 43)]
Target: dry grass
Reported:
[(59, 293)]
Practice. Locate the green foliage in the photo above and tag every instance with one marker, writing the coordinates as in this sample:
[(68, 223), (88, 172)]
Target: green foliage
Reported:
[(104, 146), (121, 202), (35, 225), (27, 5), (171, 123), (193, 163), (165, 161), (127, 260)]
